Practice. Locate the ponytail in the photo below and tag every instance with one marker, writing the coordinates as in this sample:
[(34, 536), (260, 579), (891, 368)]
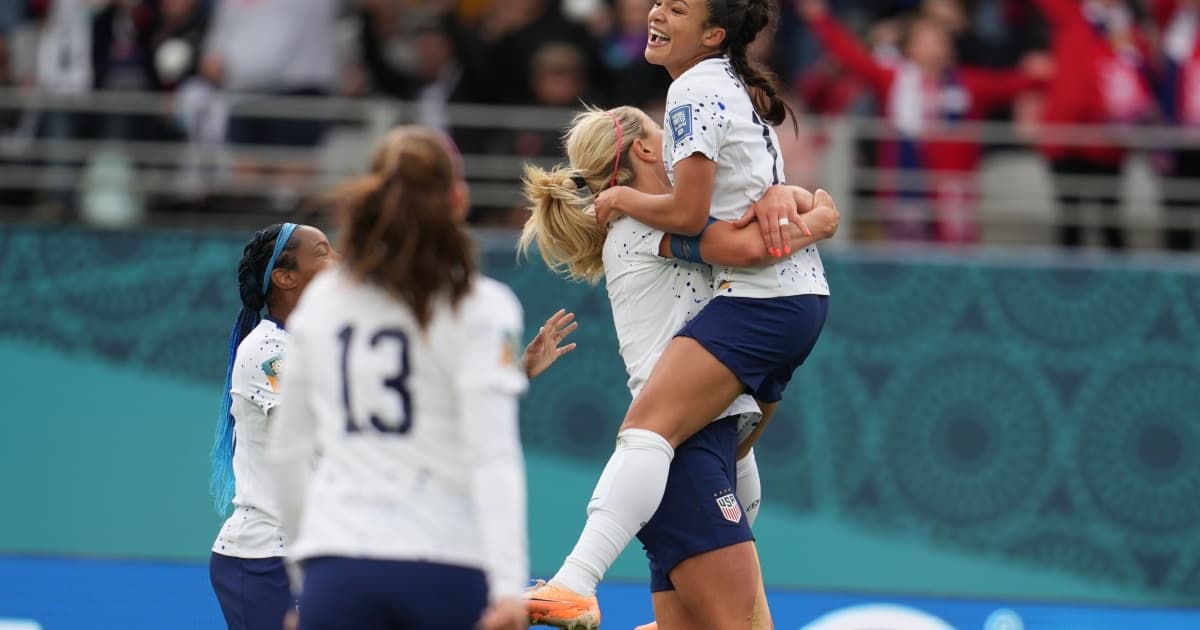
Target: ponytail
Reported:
[(744, 21), (398, 230), (597, 144), (569, 239)]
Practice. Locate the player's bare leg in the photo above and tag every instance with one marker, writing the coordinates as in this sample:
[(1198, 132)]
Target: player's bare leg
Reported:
[(670, 613), (720, 588)]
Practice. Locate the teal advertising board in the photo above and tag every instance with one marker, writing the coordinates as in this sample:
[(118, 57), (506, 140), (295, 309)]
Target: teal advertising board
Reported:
[(965, 427)]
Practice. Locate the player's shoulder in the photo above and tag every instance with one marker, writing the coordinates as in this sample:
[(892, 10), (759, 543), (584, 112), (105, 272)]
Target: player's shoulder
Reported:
[(267, 340), (708, 77), (267, 330), (489, 297)]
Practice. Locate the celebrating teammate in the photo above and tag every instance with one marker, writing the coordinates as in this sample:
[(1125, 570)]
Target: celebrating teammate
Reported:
[(246, 566), (703, 565), (721, 154)]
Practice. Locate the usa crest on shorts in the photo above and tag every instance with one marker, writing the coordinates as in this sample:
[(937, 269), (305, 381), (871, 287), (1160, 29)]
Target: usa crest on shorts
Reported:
[(729, 507)]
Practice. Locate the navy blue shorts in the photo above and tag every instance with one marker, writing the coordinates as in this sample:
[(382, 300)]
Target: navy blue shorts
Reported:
[(761, 340), (354, 593), (253, 592), (699, 511)]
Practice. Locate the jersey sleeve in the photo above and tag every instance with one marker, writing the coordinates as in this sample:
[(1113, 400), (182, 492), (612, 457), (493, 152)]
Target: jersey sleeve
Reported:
[(491, 341), (697, 119), (260, 370), (489, 379), (291, 441)]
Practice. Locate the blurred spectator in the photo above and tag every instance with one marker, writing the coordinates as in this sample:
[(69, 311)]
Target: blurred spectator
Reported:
[(558, 75), (273, 47), (1103, 80), (64, 57), (121, 55), (557, 78), (992, 46), (175, 39), (918, 93), (12, 12), (421, 56), (1179, 90), (634, 81), (514, 30), (123, 58)]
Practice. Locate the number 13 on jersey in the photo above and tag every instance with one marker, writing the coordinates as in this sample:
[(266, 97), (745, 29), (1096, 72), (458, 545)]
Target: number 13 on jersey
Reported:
[(387, 397)]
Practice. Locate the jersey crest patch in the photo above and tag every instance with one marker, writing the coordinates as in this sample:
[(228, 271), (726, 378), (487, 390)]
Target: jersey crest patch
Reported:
[(271, 368), (729, 507), (511, 349), (681, 123)]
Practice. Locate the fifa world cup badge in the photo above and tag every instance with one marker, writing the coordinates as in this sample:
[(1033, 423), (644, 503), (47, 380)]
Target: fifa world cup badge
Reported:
[(271, 368), (681, 123)]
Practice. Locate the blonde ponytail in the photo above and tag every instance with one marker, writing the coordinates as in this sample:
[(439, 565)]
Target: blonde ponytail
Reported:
[(569, 239)]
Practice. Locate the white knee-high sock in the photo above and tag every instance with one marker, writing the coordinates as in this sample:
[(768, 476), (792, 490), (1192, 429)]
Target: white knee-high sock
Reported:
[(626, 496), (749, 487)]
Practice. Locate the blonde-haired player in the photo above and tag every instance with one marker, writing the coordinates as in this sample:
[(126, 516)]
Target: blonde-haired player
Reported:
[(403, 378), (698, 542)]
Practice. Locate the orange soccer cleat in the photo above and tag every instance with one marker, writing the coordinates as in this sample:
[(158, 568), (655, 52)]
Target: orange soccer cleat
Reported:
[(558, 606)]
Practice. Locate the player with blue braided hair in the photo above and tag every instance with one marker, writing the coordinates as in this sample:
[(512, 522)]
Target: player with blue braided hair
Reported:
[(246, 567)]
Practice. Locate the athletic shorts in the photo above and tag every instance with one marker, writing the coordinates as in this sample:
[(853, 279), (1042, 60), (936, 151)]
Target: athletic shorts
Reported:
[(761, 340), (699, 511), (253, 592), (362, 594)]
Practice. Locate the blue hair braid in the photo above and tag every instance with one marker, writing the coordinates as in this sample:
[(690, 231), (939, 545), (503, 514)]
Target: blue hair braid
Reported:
[(221, 485)]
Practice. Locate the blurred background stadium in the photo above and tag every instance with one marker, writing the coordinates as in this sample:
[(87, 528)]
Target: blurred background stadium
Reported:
[(999, 430)]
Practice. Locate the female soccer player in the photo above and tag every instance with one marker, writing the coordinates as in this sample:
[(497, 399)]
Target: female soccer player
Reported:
[(246, 566), (721, 154), (703, 565), (404, 372)]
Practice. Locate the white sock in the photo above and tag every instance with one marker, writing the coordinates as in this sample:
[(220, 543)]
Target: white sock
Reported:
[(626, 496), (749, 487)]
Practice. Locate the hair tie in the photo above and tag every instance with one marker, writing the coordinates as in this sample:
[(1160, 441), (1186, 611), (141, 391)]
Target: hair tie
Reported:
[(281, 241), (620, 138)]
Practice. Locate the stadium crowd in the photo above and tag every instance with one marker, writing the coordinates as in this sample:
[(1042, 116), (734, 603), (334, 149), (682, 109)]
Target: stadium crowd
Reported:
[(914, 63)]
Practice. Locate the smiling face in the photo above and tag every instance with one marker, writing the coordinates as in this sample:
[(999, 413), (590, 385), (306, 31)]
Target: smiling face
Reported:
[(680, 35)]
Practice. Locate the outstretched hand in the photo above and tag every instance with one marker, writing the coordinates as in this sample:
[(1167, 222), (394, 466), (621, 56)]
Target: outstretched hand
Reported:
[(544, 350)]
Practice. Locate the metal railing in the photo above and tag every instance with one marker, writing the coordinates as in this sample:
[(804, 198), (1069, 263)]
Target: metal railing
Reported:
[(36, 166)]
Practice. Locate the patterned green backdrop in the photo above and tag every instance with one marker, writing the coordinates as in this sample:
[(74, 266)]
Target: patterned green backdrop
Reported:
[(1035, 415)]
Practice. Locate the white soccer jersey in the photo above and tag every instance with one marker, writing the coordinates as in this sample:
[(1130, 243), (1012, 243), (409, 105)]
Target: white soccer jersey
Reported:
[(416, 430), (254, 530), (652, 298), (709, 112)]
